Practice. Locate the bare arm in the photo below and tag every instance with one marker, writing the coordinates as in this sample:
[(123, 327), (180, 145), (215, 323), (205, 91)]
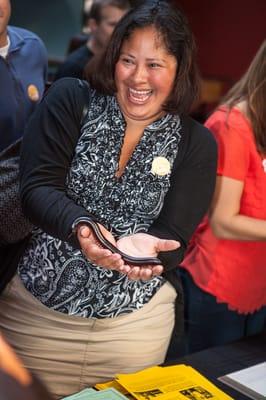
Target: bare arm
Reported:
[(225, 218)]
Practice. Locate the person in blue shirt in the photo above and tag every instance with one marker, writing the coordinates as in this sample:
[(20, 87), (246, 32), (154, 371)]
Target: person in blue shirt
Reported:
[(23, 70)]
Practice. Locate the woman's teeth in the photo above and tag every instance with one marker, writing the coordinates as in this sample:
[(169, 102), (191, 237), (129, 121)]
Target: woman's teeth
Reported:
[(139, 95)]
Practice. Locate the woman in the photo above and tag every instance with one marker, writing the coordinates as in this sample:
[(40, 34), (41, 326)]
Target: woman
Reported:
[(140, 168), (224, 273)]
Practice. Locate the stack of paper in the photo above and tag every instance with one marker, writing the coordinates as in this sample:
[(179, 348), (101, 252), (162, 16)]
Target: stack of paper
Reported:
[(178, 382), (171, 383), (166, 383)]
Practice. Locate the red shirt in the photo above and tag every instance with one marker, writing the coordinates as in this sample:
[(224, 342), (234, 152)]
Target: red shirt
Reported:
[(233, 271)]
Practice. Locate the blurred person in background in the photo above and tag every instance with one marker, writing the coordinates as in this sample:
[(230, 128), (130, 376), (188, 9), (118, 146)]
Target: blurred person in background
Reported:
[(224, 270), (23, 70), (102, 18)]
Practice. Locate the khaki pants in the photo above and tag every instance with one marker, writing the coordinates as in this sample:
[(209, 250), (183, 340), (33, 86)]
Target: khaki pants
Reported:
[(70, 353)]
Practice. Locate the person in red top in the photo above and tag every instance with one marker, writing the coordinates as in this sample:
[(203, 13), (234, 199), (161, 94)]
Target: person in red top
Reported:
[(224, 270)]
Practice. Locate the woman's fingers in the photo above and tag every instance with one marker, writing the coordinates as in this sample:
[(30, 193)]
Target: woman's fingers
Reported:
[(166, 245), (143, 273), (134, 273), (84, 232), (125, 269), (157, 270), (93, 251), (102, 257), (113, 261)]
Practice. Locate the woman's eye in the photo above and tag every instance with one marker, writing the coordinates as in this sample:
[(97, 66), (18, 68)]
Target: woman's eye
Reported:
[(127, 60), (154, 65)]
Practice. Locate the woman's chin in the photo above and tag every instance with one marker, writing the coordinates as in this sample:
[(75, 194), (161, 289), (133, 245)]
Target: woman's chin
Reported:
[(140, 114)]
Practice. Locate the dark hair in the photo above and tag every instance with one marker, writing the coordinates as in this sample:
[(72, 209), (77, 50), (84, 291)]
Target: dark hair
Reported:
[(95, 11), (172, 26), (252, 88)]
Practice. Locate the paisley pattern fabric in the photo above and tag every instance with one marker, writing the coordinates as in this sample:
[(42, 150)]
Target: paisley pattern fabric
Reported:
[(56, 273)]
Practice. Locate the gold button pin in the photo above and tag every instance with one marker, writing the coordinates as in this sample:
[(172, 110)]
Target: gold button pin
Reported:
[(33, 93)]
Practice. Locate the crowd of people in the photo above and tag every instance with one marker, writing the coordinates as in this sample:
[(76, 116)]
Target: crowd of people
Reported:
[(147, 224)]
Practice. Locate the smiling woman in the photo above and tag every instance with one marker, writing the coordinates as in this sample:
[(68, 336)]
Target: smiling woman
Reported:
[(144, 75), (144, 78), (141, 171)]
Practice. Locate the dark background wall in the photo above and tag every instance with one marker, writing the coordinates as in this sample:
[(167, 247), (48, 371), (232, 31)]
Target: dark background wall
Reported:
[(228, 34), (55, 21)]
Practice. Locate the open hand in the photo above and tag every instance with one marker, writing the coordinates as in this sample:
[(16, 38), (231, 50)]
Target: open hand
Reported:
[(144, 245)]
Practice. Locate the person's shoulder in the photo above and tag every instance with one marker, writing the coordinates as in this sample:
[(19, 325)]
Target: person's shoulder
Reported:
[(24, 38), (197, 143), (24, 33), (79, 55), (196, 132), (74, 63), (68, 89), (69, 82), (197, 146), (227, 123), (69, 94), (81, 50)]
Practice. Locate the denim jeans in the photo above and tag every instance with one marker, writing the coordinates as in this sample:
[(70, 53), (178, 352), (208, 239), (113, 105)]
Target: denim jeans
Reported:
[(208, 323)]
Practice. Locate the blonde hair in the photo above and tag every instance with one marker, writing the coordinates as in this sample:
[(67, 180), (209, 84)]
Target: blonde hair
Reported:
[(252, 89)]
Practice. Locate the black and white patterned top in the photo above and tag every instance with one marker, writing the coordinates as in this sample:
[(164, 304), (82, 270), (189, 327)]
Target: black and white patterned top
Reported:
[(55, 272)]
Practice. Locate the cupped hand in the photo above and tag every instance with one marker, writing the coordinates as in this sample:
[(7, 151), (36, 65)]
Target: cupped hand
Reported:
[(144, 245), (93, 251)]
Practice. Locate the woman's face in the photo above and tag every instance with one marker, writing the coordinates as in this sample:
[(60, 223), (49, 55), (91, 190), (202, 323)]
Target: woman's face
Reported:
[(144, 75)]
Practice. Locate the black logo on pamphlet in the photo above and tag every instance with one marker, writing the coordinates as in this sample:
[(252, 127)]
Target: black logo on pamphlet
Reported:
[(196, 393), (149, 394)]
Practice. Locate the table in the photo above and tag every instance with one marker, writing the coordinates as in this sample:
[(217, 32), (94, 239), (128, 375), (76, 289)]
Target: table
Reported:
[(222, 360)]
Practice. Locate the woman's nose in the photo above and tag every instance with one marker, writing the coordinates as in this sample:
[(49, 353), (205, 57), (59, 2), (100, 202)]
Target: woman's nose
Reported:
[(139, 74)]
